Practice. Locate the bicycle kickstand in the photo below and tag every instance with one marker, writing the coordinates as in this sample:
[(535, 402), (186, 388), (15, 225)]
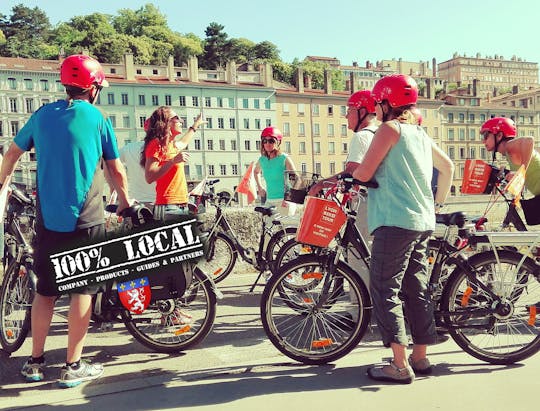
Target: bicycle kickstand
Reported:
[(261, 272)]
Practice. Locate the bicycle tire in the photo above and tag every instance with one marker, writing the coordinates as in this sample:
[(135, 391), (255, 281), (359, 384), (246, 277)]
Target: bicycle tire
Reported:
[(278, 239), (16, 297), (155, 327), (507, 333), (313, 331), (220, 258)]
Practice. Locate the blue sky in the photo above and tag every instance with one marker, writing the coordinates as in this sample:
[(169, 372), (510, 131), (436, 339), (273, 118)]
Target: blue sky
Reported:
[(352, 30)]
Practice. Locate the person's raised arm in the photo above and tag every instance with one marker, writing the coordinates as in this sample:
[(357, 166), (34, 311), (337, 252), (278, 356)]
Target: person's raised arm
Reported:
[(184, 141)]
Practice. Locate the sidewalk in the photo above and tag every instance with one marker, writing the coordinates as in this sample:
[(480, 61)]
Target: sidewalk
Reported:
[(237, 368)]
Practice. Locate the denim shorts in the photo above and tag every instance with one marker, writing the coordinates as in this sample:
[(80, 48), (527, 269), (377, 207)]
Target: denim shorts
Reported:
[(399, 279), (165, 212)]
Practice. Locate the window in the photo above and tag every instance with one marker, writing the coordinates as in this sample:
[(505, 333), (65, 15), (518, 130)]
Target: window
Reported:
[(220, 101), (318, 168), (330, 130), (14, 128), (223, 169), (303, 167), (247, 145), (461, 134), (245, 103), (207, 102), (286, 129), (29, 105), (482, 118), (155, 72), (331, 148), (315, 109), (209, 123), (198, 170), (257, 123), (316, 129), (472, 134), (232, 122), (110, 98), (258, 145), (45, 101), (267, 104), (195, 101), (450, 134), (472, 152), (220, 123), (222, 145), (451, 153), (246, 123), (233, 145), (113, 121), (287, 146), (301, 109), (234, 168), (231, 102), (344, 130), (125, 100), (461, 117), (28, 84), (142, 119), (12, 105), (12, 83), (155, 100), (142, 100), (317, 147), (256, 103), (342, 110), (125, 122), (44, 85), (471, 118), (168, 100), (301, 129), (182, 101), (302, 147), (462, 153), (1, 133), (450, 117), (332, 168), (330, 110), (285, 108), (197, 144), (344, 148), (211, 171), (210, 144)]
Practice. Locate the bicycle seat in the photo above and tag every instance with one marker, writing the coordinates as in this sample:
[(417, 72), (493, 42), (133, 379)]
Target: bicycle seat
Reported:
[(457, 218), (20, 195), (266, 211)]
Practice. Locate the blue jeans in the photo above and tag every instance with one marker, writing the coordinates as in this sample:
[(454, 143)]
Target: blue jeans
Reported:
[(399, 278), (167, 212)]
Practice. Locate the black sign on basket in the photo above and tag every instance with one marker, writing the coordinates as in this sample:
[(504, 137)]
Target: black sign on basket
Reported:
[(140, 253)]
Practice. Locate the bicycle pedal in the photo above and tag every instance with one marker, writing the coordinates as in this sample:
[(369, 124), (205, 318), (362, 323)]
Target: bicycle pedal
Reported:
[(104, 327)]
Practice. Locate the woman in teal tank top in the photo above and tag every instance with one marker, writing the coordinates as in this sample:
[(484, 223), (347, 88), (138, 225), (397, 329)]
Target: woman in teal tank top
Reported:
[(401, 217), (272, 165)]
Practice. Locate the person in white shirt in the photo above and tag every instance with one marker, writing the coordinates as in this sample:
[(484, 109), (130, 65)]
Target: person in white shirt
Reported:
[(139, 189)]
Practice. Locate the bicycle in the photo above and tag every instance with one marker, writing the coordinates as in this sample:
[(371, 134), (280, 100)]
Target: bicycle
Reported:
[(161, 327), (488, 303), (19, 282), (224, 247)]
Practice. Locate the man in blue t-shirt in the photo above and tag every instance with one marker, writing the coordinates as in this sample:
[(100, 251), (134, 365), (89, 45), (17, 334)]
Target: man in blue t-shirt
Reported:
[(73, 141)]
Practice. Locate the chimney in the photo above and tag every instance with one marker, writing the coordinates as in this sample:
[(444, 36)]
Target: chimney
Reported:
[(129, 66), (230, 72), (353, 82), (307, 82), (469, 89), (434, 68), (266, 74), (475, 87), (328, 82), (428, 88), (300, 80), (193, 69), (170, 68)]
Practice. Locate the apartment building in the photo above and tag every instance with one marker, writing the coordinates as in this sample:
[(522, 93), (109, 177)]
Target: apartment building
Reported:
[(495, 73), (236, 104)]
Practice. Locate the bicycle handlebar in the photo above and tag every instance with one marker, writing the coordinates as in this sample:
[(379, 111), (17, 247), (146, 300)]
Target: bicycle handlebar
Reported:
[(348, 178)]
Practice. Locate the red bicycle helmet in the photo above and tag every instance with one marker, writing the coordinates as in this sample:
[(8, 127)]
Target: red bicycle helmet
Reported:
[(362, 99), (503, 124), (398, 89), (79, 70), (272, 132)]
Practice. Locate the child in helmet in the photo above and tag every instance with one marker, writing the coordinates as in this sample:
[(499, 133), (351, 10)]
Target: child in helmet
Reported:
[(401, 217), (272, 164)]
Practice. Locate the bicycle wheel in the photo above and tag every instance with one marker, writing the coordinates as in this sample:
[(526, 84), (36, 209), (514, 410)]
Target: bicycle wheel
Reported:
[(176, 324), (498, 332), (16, 297), (220, 257), (321, 324), (278, 240)]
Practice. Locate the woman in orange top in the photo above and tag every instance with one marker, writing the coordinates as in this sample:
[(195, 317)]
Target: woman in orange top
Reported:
[(163, 160)]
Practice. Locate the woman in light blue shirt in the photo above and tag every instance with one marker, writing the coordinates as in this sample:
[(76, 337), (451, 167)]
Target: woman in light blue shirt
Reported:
[(401, 217)]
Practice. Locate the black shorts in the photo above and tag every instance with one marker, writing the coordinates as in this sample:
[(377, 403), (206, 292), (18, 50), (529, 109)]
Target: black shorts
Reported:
[(47, 242)]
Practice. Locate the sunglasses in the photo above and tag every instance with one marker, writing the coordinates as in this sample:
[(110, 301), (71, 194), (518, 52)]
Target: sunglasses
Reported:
[(269, 140)]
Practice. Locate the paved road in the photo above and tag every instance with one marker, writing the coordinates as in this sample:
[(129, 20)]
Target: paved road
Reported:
[(237, 368)]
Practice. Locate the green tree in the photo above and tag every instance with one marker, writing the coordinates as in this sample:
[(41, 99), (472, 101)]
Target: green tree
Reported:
[(216, 47), (26, 33), (242, 50), (266, 51), (283, 72)]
